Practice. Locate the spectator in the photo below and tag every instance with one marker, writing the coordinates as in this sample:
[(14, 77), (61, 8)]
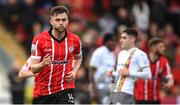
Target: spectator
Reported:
[(141, 14)]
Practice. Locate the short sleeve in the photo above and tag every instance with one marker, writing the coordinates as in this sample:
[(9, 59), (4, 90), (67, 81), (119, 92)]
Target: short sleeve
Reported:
[(142, 60), (95, 60), (78, 48), (36, 47), (167, 69)]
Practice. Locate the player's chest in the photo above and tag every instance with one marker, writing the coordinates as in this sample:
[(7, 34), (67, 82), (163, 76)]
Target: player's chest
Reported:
[(127, 60), (58, 49), (157, 69), (108, 60)]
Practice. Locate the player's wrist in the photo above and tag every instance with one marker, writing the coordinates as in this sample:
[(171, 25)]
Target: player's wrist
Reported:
[(42, 64)]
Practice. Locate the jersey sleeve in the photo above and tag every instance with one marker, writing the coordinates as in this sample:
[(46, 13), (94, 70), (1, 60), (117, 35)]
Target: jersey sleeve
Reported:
[(78, 49), (143, 60), (95, 59), (167, 69), (36, 47), (144, 71)]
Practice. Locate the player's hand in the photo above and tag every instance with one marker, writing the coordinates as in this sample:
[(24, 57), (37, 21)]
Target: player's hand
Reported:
[(46, 60), (168, 84), (109, 74), (70, 76), (123, 72)]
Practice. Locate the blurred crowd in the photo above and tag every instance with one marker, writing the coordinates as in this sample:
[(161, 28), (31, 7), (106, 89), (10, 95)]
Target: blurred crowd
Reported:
[(91, 19)]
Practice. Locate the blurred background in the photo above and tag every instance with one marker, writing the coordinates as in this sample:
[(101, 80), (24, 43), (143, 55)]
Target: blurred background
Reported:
[(21, 20)]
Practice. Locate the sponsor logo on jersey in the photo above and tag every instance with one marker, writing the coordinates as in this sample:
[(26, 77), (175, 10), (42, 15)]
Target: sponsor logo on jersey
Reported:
[(47, 49), (60, 62)]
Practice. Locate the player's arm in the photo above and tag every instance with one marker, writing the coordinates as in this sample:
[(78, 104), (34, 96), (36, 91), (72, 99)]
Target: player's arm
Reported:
[(95, 95), (77, 63), (37, 65), (92, 70), (144, 71), (169, 83), (37, 62), (95, 61), (168, 79), (25, 70), (25, 73), (77, 59)]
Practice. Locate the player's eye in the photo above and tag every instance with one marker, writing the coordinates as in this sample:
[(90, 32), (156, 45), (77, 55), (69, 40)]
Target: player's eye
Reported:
[(57, 20), (63, 20)]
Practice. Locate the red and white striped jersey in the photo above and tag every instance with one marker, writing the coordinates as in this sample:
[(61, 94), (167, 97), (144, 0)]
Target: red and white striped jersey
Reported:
[(150, 89), (51, 78)]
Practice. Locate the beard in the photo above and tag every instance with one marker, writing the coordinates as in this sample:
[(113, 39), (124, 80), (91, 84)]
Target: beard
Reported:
[(60, 29), (160, 53)]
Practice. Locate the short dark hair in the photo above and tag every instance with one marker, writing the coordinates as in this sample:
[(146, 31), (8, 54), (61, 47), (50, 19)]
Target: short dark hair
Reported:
[(131, 32), (107, 37), (154, 41), (59, 10)]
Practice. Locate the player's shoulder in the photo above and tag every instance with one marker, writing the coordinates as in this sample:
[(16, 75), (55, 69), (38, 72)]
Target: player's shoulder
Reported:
[(73, 35), (140, 52), (163, 58), (41, 35), (123, 52), (99, 50)]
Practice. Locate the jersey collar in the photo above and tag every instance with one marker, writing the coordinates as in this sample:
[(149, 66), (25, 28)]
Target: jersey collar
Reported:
[(131, 49), (50, 33)]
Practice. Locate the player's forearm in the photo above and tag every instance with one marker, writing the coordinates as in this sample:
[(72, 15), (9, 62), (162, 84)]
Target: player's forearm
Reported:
[(77, 64), (91, 75), (25, 74), (145, 73), (36, 68)]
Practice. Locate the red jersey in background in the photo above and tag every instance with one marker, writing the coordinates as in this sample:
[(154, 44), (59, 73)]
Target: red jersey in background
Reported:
[(149, 90)]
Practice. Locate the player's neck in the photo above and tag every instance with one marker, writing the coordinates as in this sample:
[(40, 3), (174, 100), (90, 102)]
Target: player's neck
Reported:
[(153, 57), (57, 34), (130, 47)]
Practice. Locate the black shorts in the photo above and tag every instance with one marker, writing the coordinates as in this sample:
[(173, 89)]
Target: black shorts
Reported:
[(62, 97), (147, 102)]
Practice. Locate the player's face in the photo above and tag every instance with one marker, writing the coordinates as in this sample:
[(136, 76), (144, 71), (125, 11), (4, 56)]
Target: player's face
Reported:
[(59, 22), (112, 44), (125, 41), (161, 48)]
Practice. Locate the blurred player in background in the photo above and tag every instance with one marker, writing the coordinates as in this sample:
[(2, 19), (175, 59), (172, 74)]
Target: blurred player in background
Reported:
[(103, 60), (55, 60), (148, 91), (132, 63)]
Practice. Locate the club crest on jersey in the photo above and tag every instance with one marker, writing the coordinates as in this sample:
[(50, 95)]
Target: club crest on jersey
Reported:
[(71, 49)]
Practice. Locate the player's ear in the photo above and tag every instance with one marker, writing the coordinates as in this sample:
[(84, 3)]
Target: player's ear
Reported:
[(50, 20)]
